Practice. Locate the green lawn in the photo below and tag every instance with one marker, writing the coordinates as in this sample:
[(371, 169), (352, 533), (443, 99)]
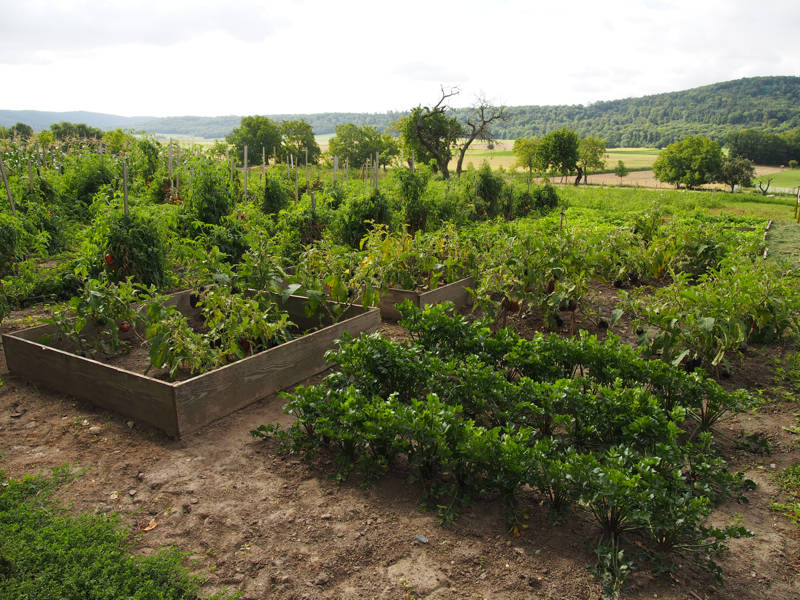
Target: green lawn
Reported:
[(790, 178)]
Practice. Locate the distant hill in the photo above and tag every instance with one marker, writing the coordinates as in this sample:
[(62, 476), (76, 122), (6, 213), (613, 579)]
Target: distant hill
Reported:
[(769, 103)]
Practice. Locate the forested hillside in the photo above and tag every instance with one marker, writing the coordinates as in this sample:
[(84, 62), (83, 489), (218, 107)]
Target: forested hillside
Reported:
[(768, 103)]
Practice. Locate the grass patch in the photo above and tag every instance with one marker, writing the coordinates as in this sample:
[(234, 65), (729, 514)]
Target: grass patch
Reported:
[(784, 241), (46, 553), (789, 482), (790, 178)]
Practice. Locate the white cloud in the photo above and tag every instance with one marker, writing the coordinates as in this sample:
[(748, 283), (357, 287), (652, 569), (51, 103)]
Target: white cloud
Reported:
[(177, 57)]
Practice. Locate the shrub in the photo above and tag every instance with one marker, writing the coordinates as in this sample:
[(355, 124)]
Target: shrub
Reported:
[(490, 190), (545, 198), (276, 195), (134, 248), (83, 178), (10, 238), (229, 237), (352, 220), (412, 185), (209, 194)]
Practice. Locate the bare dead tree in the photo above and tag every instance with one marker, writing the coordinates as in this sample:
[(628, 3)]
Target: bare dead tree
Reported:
[(478, 124), (764, 189)]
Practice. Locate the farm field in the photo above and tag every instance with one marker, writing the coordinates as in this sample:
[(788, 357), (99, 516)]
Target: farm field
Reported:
[(783, 178), (442, 457)]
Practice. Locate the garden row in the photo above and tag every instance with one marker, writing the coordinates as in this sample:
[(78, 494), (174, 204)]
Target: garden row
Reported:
[(470, 414)]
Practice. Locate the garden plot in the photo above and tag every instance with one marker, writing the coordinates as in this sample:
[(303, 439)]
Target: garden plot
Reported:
[(180, 407)]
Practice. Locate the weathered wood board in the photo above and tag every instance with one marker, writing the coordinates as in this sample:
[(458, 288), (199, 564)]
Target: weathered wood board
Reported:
[(178, 408), (455, 292)]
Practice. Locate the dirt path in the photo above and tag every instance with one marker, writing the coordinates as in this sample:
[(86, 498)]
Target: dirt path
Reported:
[(266, 524)]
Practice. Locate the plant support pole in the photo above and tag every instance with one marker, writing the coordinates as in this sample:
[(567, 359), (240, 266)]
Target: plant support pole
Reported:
[(125, 185), (8, 189), (245, 173), (171, 179)]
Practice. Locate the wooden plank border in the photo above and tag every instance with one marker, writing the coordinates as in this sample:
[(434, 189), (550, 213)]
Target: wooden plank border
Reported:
[(178, 408), (455, 292)]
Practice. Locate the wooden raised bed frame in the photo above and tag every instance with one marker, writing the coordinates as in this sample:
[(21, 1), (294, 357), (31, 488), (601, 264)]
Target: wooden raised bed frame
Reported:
[(179, 408), (455, 292)]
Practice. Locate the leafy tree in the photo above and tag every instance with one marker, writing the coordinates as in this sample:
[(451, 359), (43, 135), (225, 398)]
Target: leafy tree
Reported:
[(736, 170), (529, 156), (691, 162), (21, 130), (117, 141), (621, 170), (559, 150), (254, 132), (430, 132), (591, 155), (355, 144), (66, 130), (45, 137), (297, 139), (390, 149), (761, 147)]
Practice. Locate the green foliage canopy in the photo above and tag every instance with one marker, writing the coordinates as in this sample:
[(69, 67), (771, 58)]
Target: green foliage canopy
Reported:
[(559, 150), (297, 139), (255, 132), (691, 162), (355, 144)]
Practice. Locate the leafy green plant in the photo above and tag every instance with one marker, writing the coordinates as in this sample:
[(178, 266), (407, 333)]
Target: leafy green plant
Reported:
[(134, 249), (99, 319), (47, 553)]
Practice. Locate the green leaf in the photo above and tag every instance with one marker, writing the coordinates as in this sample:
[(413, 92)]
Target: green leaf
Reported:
[(707, 324), (677, 360), (291, 289)]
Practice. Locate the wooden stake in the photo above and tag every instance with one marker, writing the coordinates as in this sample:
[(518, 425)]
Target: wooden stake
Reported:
[(245, 173), (335, 169), (8, 189), (171, 177), (125, 185), (263, 163), (30, 176)]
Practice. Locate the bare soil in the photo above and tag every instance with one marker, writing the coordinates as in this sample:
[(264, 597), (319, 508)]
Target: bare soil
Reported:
[(271, 526)]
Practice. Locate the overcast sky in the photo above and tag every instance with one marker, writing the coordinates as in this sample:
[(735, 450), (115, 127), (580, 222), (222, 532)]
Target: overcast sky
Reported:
[(205, 57)]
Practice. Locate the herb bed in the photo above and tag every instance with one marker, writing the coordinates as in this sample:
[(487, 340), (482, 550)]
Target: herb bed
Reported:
[(180, 407)]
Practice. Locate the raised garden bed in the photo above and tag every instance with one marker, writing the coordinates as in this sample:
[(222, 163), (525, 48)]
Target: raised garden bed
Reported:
[(180, 407), (455, 292)]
